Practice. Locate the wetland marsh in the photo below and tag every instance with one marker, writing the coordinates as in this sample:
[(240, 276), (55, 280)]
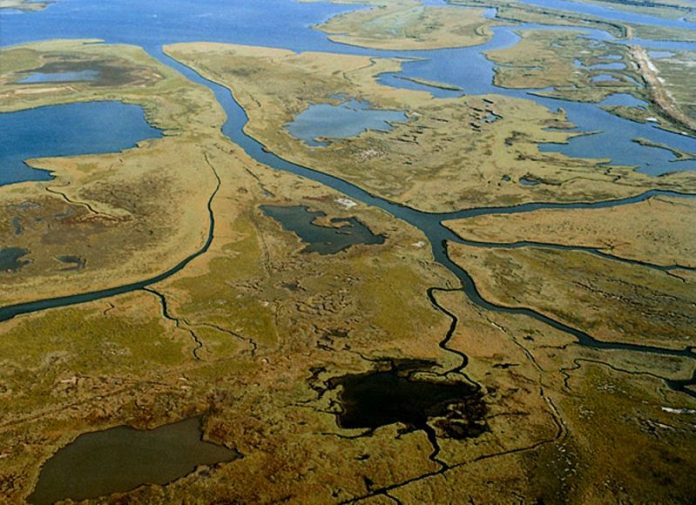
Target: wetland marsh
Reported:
[(432, 331)]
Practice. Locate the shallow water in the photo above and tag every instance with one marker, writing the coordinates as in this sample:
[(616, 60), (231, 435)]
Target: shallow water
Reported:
[(286, 23), (82, 75), (608, 66), (469, 69), (604, 78), (344, 233), (658, 55), (122, 458), (623, 99), (612, 14), (347, 119), (11, 259), (72, 129)]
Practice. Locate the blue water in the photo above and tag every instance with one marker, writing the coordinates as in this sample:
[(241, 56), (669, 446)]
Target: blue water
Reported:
[(612, 14), (614, 141), (340, 121), (658, 55), (469, 69), (287, 23), (604, 78), (608, 66), (273, 23), (624, 100), (82, 75), (80, 128)]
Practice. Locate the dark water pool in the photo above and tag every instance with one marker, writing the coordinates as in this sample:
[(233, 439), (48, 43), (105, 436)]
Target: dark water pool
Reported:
[(399, 395), (11, 259), (123, 458), (343, 233)]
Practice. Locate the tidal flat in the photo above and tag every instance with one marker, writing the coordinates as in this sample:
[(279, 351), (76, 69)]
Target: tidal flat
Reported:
[(612, 301), (655, 231)]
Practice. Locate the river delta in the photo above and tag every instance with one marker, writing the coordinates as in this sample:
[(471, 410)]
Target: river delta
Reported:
[(379, 251)]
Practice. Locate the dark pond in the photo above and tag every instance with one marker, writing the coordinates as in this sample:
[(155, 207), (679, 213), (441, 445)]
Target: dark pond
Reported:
[(123, 458), (73, 262), (528, 181), (322, 239), (11, 259), (397, 395)]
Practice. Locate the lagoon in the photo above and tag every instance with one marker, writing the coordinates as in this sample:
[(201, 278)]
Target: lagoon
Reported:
[(67, 130)]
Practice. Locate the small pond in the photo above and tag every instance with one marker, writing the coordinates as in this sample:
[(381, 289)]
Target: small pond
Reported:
[(348, 119), (529, 181), (608, 66), (604, 78), (120, 459), (80, 75), (343, 233), (11, 259), (624, 100)]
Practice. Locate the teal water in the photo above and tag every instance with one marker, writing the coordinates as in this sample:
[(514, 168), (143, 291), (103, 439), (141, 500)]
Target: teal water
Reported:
[(11, 259), (342, 234)]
